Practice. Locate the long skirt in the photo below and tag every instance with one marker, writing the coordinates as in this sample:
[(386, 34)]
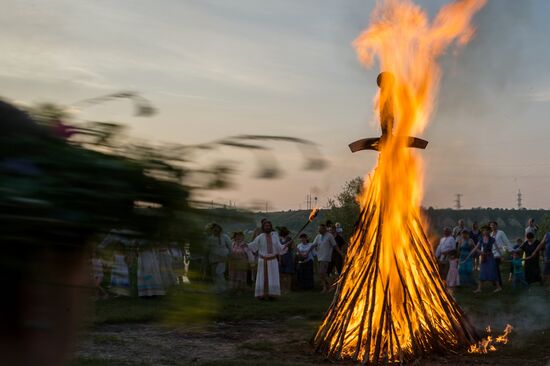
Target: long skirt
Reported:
[(120, 277), (488, 270), (305, 275), (167, 274), (238, 269), (149, 279), (267, 278), (465, 272)]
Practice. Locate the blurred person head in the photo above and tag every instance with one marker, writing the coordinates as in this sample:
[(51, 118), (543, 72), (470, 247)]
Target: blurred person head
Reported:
[(475, 226), (465, 235), (447, 231), (530, 236), (238, 236), (493, 225), (461, 223), (303, 238), (516, 254), (283, 232), (267, 227), (215, 229)]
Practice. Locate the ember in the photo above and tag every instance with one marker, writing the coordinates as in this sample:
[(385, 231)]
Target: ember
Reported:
[(391, 305)]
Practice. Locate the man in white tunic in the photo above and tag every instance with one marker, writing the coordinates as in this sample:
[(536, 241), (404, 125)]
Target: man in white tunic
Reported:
[(268, 246)]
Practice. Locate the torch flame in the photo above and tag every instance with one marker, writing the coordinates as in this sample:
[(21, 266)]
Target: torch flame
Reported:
[(313, 214), (391, 304)]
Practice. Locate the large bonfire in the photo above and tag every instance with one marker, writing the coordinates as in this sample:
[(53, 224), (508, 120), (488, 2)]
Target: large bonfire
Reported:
[(391, 305)]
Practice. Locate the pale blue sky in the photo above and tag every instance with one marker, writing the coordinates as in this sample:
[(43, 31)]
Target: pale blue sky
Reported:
[(219, 68)]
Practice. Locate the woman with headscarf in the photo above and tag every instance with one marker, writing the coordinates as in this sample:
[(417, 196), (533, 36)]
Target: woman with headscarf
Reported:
[(239, 260)]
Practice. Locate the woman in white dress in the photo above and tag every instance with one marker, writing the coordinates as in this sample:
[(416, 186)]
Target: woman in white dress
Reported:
[(268, 247)]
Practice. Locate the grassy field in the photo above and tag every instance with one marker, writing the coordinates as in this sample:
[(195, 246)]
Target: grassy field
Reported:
[(192, 326)]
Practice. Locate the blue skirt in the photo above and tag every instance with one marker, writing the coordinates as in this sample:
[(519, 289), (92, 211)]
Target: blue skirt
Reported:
[(488, 270)]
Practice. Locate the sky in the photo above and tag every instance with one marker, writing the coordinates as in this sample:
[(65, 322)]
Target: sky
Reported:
[(221, 68)]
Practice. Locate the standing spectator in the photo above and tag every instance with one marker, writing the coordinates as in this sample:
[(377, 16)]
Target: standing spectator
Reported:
[(268, 246), (217, 250), (330, 227), (488, 267), (446, 246), (518, 277), (304, 252), (120, 275), (466, 267), (543, 245), (453, 278), (166, 262), (325, 246), (258, 229), (519, 242), (337, 259), (501, 245), (286, 261), (177, 262), (149, 280), (531, 227), (239, 262), (459, 229), (532, 265), (475, 234)]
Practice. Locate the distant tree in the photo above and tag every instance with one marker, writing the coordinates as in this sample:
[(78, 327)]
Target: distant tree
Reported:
[(344, 208)]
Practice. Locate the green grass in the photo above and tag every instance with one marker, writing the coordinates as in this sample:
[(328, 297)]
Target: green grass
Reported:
[(198, 305)]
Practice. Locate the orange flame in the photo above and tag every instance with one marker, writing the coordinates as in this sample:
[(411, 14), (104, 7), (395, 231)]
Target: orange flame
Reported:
[(313, 214), (488, 343), (409, 310)]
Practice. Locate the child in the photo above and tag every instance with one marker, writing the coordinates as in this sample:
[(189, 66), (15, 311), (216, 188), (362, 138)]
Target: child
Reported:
[(517, 266), (453, 279), (519, 241), (305, 263)]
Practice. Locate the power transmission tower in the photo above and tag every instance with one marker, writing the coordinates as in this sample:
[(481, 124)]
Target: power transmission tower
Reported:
[(519, 200), (458, 204)]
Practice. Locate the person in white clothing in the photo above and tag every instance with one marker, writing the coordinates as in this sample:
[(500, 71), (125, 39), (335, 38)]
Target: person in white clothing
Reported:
[(502, 244), (446, 246), (268, 246), (531, 227), (326, 244)]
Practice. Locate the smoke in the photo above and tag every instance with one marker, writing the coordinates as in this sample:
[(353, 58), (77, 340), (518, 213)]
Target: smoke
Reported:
[(478, 76), (527, 312)]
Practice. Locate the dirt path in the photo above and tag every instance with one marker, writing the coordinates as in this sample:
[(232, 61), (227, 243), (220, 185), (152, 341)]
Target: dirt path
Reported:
[(253, 343)]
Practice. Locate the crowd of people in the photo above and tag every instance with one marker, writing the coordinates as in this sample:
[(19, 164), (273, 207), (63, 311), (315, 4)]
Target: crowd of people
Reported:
[(463, 252), (271, 261), (158, 268)]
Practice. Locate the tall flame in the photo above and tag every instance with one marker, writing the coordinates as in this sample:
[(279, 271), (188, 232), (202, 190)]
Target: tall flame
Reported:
[(391, 305)]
